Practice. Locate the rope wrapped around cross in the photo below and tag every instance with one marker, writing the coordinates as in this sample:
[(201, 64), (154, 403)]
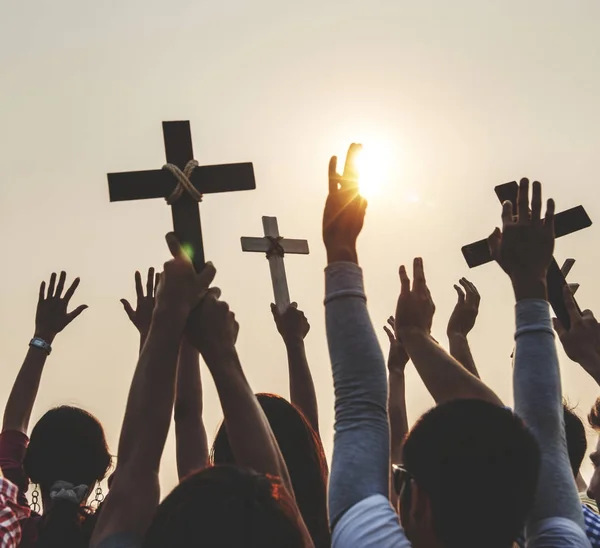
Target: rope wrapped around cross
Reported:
[(183, 182)]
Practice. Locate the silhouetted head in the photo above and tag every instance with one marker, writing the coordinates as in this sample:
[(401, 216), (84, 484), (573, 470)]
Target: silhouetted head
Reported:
[(304, 456), (472, 470), (67, 444), (226, 507), (594, 486), (576, 440)]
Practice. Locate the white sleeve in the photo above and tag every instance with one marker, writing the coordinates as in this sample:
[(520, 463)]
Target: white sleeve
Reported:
[(556, 533), (370, 523)]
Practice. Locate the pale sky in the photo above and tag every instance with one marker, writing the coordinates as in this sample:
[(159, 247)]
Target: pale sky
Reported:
[(460, 96)]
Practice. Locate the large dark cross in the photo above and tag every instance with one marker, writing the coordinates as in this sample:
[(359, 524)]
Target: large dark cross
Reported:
[(160, 183), (566, 222)]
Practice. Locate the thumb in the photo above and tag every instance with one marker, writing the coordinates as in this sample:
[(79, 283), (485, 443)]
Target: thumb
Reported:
[(175, 247), (494, 240), (72, 315), (389, 333), (274, 310), (206, 275), (128, 308), (559, 328)]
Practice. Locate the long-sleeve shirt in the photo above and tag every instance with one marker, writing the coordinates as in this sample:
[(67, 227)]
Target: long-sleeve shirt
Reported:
[(556, 518), (360, 512)]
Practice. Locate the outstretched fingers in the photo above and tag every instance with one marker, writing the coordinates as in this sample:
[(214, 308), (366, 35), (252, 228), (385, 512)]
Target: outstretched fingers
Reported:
[(536, 202), (351, 173), (460, 293), (549, 219), (419, 282), (139, 290), (523, 201), (128, 309), (333, 175), (71, 290), (404, 281), (61, 284), (150, 283), (72, 315), (51, 285)]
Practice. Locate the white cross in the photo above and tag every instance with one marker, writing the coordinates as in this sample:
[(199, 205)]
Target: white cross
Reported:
[(275, 247)]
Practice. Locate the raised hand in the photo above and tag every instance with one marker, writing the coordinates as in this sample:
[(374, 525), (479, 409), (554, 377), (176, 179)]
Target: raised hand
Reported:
[(582, 341), (466, 310), (397, 357), (415, 307), (212, 328), (344, 210), (292, 324), (524, 246), (141, 317), (51, 316), (180, 288)]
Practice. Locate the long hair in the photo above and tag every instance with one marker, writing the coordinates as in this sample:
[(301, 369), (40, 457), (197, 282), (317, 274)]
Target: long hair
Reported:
[(226, 507), (303, 453), (67, 444)]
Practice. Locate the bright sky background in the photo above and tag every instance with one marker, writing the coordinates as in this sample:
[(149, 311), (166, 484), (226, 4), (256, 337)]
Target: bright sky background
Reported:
[(460, 95)]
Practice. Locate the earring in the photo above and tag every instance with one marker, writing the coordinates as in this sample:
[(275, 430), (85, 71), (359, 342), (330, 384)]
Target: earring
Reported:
[(99, 498), (35, 501)]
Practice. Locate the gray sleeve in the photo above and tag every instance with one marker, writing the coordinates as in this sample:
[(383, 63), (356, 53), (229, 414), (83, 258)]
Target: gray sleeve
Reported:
[(361, 452), (538, 401)]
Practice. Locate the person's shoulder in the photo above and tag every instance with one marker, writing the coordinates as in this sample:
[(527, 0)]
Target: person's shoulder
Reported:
[(557, 532), (120, 540), (370, 523)]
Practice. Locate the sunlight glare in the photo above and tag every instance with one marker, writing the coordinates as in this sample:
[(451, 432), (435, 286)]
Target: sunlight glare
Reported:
[(373, 168)]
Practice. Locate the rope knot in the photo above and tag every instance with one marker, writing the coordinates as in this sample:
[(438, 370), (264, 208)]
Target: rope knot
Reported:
[(183, 182), (275, 249)]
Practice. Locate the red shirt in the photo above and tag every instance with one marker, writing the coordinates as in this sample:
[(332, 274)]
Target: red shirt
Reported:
[(11, 514), (12, 452)]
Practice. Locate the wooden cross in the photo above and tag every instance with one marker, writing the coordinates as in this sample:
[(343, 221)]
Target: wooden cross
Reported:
[(276, 247), (566, 222), (160, 183)]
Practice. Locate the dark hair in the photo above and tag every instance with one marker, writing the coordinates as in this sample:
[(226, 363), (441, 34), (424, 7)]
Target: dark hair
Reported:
[(576, 440), (67, 444), (594, 416), (303, 453), (226, 507), (478, 464)]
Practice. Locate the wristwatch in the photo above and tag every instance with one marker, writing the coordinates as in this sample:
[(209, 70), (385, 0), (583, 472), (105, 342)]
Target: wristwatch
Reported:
[(36, 342)]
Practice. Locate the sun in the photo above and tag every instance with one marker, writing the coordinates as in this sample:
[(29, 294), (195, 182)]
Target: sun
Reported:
[(373, 165)]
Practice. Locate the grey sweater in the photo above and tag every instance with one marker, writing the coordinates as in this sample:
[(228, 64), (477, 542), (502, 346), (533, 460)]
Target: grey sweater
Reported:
[(361, 455)]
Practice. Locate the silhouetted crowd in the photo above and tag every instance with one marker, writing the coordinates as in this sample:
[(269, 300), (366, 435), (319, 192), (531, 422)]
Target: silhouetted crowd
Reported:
[(469, 473)]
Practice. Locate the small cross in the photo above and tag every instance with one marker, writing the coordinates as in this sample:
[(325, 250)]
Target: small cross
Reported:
[(159, 183), (566, 222), (275, 247)]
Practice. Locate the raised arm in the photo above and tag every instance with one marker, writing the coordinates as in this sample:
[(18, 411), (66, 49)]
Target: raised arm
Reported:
[(135, 490), (190, 434), (444, 377), (212, 330), (50, 319), (397, 360), (361, 455), (582, 341), (141, 316), (462, 322), (524, 250), (293, 328)]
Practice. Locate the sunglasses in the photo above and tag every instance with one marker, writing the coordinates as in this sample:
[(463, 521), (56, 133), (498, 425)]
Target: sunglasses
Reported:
[(401, 479)]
